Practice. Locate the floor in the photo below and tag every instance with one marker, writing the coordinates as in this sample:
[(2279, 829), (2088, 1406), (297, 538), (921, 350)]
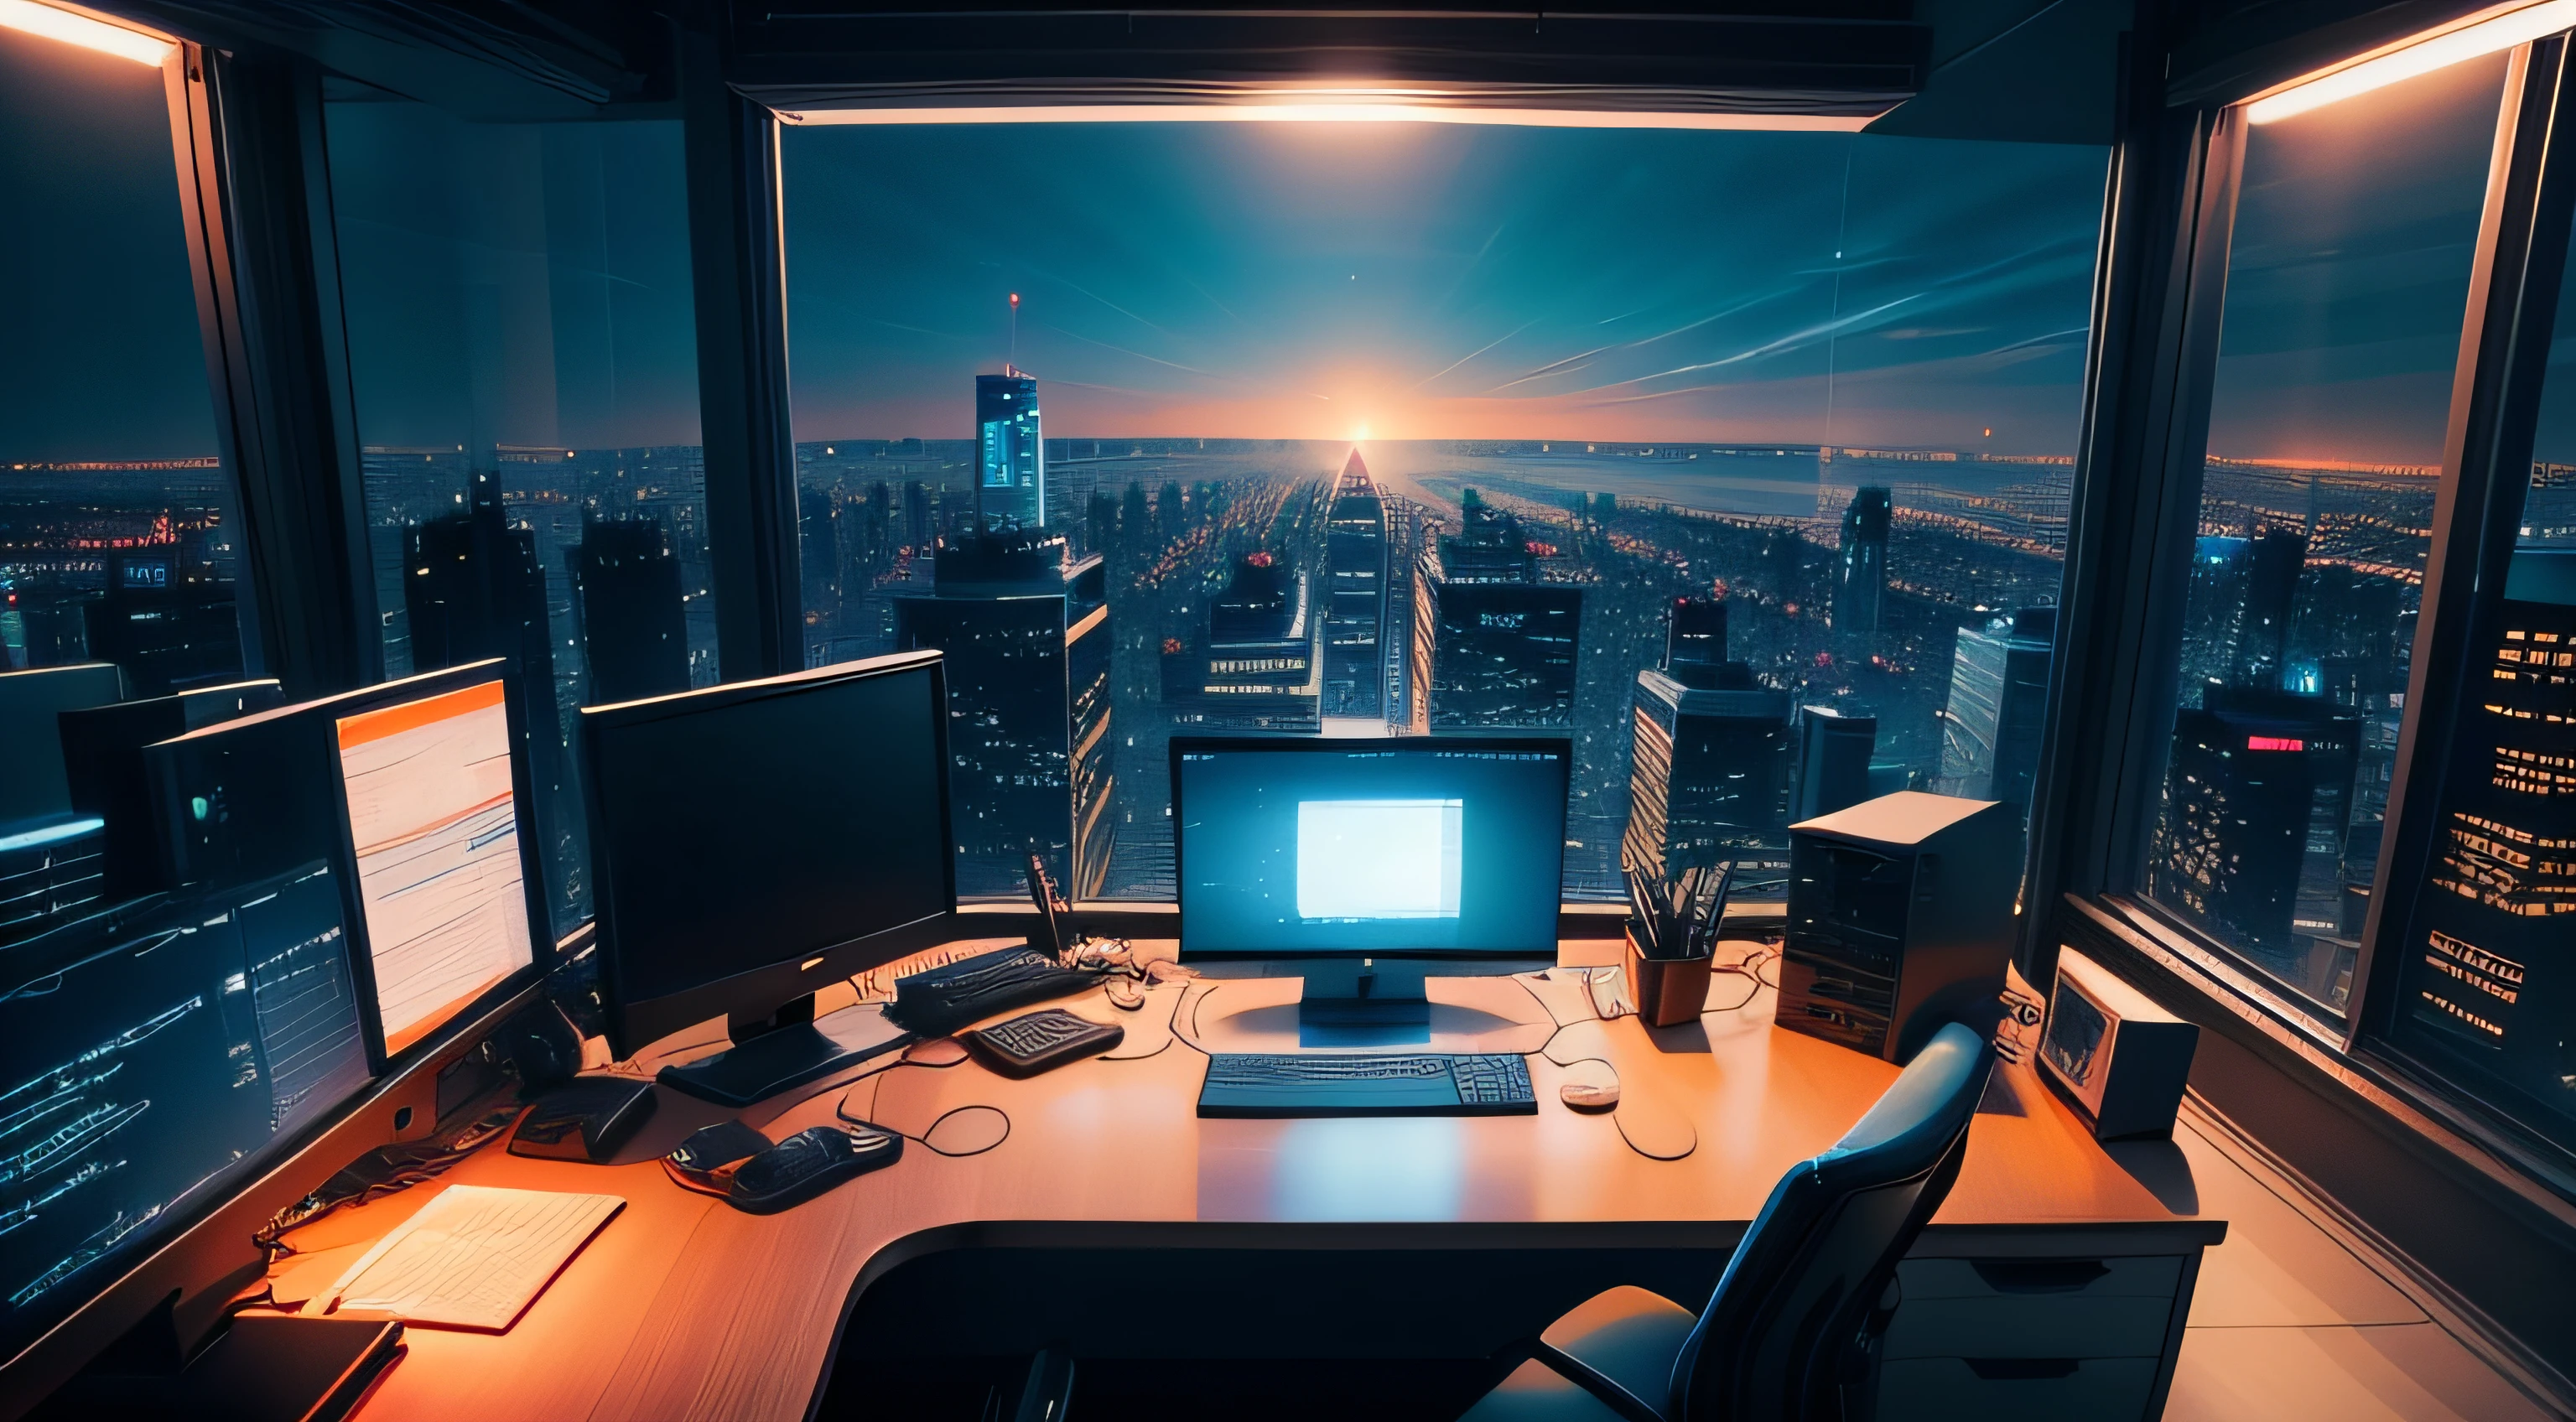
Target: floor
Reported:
[(2291, 1323)]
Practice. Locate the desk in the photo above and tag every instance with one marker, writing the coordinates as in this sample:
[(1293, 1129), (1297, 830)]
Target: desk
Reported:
[(684, 1308)]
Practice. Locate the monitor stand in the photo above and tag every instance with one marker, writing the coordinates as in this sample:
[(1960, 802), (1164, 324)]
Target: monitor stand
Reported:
[(788, 1048), (1363, 1002)]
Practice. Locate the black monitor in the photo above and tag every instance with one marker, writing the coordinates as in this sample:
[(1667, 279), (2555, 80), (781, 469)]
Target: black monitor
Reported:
[(160, 1054), (417, 792), (1375, 861), (34, 789), (754, 841), (103, 768)]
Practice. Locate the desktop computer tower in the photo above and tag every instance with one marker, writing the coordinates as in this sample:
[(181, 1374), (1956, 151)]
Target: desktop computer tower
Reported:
[(1900, 920)]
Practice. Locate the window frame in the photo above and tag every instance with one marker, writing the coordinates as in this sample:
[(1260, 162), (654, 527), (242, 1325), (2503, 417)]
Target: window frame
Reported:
[(2167, 233)]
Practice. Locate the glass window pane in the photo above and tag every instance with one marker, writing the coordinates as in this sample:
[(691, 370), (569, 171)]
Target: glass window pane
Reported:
[(523, 342), (1439, 429), (2484, 989), (2347, 283), (117, 526)]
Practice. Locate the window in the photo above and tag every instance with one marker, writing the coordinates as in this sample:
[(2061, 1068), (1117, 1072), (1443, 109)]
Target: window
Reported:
[(117, 523), (2478, 992), (523, 344), (1655, 438), (2347, 282)]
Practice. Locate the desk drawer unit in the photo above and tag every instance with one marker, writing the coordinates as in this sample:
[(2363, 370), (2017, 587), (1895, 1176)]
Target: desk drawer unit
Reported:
[(2037, 1338)]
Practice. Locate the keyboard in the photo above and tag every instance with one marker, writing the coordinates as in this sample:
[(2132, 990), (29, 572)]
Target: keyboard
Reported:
[(941, 1000), (1250, 1084), (1033, 1042)]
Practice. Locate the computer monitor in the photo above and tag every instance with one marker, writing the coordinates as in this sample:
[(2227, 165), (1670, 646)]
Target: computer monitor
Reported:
[(754, 841), (1395, 856), (439, 856), (34, 789), (417, 792), (160, 1053), (104, 771)]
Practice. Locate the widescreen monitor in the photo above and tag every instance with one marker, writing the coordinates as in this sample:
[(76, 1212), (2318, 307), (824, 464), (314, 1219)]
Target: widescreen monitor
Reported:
[(753, 841), (157, 1055), (417, 791), (1403, 847)]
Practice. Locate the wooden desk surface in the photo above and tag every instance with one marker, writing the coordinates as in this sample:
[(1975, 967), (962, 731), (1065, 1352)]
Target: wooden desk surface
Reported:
[(685, 1308)]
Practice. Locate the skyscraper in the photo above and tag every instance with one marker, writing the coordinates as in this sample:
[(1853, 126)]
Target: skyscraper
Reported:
[(1695, 641), (818, 562), (1709, 771), (2258, 792), (1025, 629), (2272, 568), (1257, 668), (626, 597), (166, 622), (1010, 454), (1355, 560), (476, 588), (1998, 706), (1834, 747), (1494, 647), (2493, 929), (1860, 571)]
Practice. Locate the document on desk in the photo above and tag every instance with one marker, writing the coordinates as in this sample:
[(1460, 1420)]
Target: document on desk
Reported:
[(474, 1257)]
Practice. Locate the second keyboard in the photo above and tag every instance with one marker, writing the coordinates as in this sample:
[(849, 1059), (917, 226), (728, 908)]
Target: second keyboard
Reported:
[(1254, 1084)]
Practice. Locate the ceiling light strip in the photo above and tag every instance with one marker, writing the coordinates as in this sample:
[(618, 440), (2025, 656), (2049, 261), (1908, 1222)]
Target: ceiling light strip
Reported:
[(2421, 57)]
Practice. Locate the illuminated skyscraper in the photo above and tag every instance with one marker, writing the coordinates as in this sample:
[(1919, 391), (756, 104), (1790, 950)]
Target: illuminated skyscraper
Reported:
[(1010, 454), (2494, 940), (1709, 771), (1355, 555), (1257, 668), (1493, 646), (1025, 629), (2258, 792)]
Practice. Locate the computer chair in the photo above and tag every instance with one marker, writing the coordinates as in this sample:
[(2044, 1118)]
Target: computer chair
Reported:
[(1791, 1332)]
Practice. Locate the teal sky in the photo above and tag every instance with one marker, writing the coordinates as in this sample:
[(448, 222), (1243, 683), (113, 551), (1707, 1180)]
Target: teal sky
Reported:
[(1442, 281)]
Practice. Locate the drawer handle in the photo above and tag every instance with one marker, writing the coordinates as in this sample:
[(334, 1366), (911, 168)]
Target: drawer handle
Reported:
[(2021, 1369), (2039, 1276)]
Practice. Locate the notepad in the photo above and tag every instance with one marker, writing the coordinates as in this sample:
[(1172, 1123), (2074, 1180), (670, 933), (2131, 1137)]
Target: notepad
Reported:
[(474, 1257)]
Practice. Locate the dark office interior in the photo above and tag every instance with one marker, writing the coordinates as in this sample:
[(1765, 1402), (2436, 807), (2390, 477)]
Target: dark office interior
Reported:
[(1728, 709)]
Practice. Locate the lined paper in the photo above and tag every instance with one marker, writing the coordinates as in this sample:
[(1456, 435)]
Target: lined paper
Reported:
[(475, 1257)]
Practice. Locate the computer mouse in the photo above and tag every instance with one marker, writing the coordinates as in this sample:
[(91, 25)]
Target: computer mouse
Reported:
[(808, 1163), (1589, 1096)]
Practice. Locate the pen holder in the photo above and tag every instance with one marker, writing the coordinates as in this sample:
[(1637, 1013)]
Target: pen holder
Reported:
[(1668, 991)]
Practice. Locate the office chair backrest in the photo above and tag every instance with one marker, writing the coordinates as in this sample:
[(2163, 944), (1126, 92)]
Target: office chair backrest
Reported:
[(1786, 1328)]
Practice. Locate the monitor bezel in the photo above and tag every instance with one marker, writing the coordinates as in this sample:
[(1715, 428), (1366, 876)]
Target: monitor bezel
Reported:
[(310, 731), (761, 990), (1561, 746)]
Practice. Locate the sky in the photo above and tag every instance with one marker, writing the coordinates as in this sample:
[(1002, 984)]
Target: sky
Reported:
[(99, 352), (530, 284), (1395, 281)]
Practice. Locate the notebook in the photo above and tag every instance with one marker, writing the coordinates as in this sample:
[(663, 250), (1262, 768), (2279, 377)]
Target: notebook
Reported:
[(475, 1257)]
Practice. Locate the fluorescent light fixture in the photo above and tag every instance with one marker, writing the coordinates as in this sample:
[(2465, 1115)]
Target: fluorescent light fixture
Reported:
[(2419, 57), (72, 27), (1303, 110)]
